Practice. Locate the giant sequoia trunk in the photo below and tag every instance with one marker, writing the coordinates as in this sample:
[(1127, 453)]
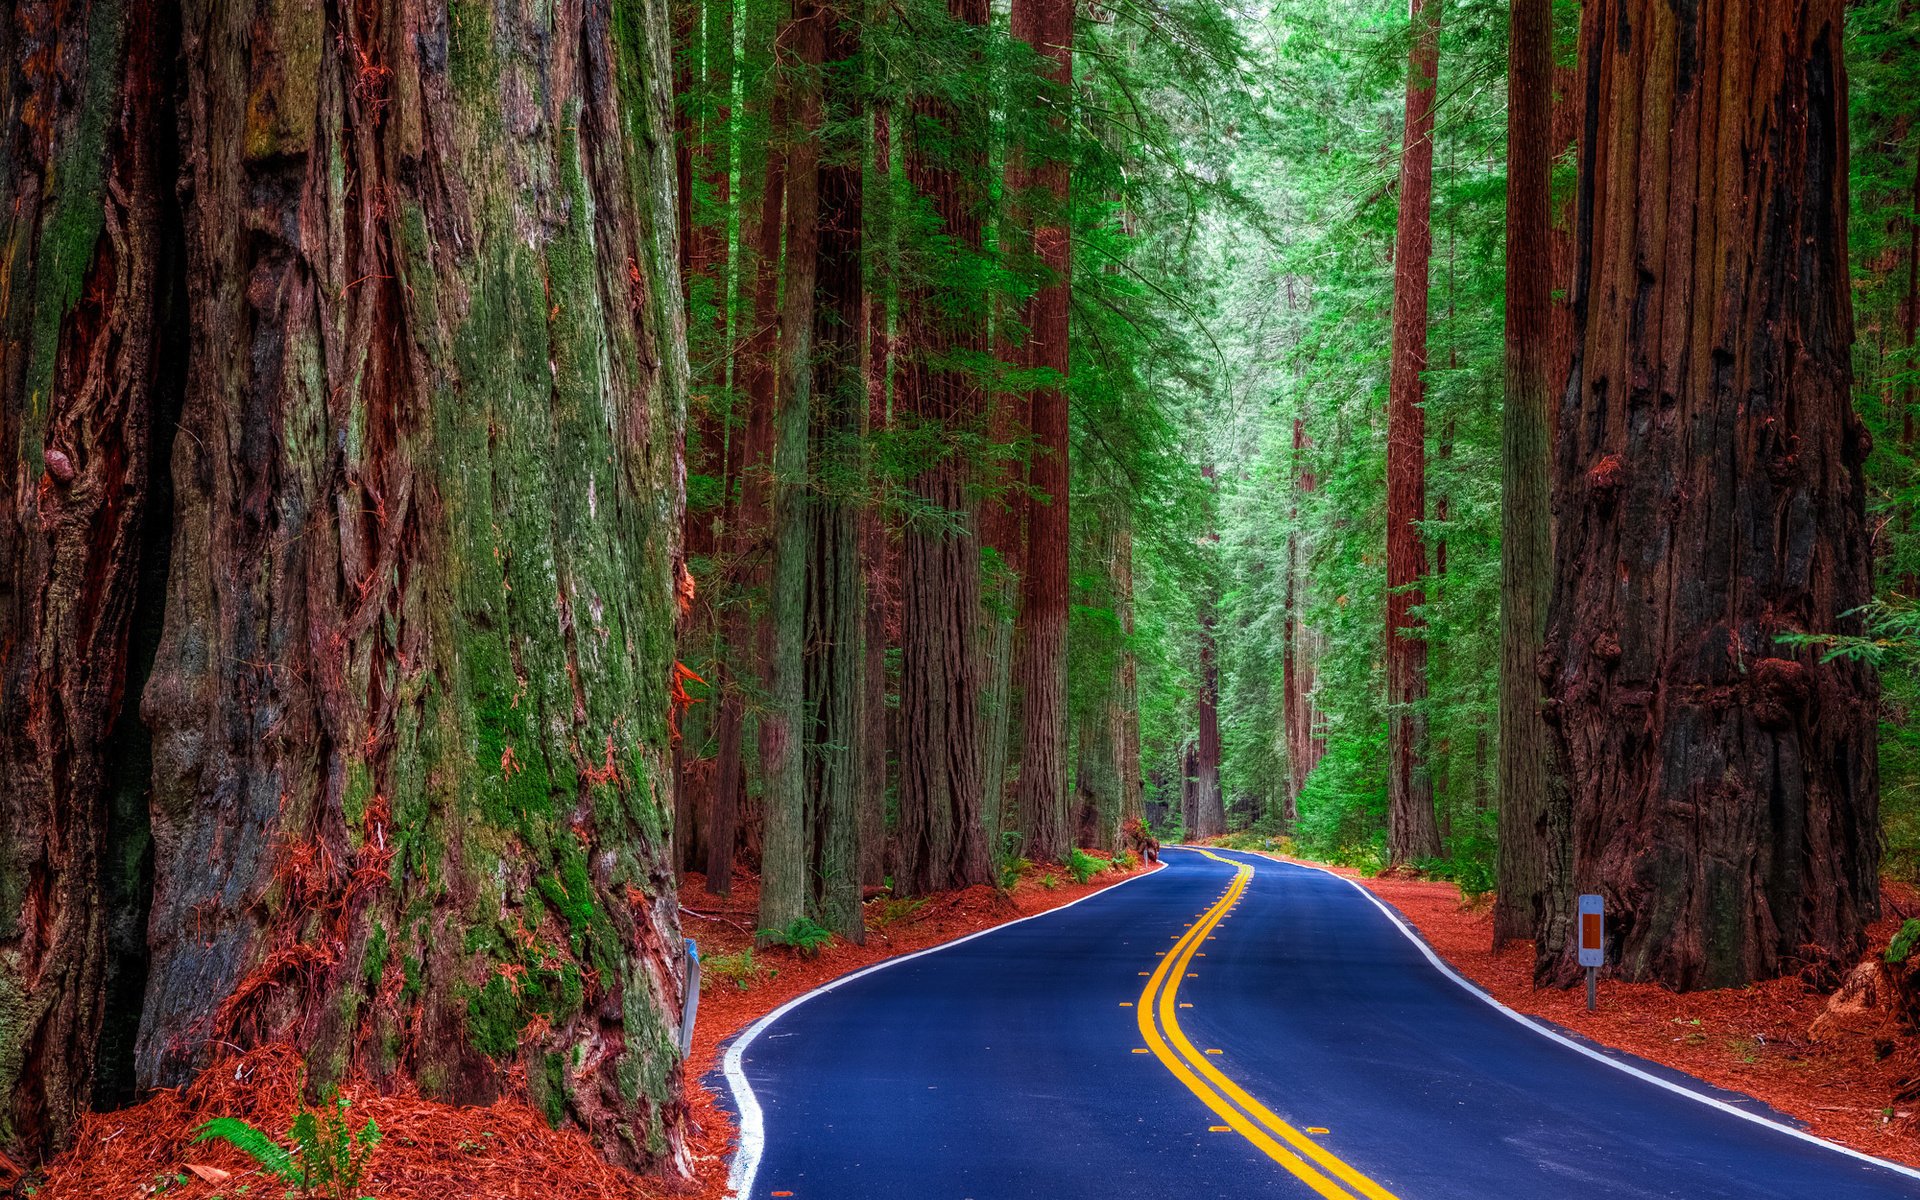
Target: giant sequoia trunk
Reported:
[(409, 708), (1040, 666), (1526, 539), (1720, 786), (1412, 832), (942, 841)]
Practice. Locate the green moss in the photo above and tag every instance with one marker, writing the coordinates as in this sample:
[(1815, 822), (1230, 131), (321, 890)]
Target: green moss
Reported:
[(547, 1088), (75, 215), (376, 964)]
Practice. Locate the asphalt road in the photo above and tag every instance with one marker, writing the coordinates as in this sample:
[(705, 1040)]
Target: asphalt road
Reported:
[(1211, 1031)]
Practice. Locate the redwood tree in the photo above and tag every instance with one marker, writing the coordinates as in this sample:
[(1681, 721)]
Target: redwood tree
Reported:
[(942, 842), (1720, 784), (1526, 538), (1040, 663), (1412, 832), (408, 709)]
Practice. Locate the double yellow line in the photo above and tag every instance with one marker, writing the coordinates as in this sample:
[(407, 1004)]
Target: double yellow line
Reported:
[(1158, 1011)]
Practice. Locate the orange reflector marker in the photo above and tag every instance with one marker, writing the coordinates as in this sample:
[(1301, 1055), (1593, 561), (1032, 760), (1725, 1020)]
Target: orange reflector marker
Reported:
[(1126, 1004), (1213, 1052), (1317, 1129), (1139, 1049), (1186, 1006), (1219, 1129)]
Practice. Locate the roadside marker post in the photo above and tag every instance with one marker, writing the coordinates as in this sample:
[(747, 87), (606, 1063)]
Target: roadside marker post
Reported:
[(1593, 924), (691, 1007)]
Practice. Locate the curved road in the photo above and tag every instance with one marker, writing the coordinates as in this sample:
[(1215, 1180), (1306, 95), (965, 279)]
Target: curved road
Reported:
[(1227, 1026)]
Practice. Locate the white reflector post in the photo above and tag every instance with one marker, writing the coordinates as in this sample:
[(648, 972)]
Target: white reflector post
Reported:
[(692, 1006), (1593, 937)]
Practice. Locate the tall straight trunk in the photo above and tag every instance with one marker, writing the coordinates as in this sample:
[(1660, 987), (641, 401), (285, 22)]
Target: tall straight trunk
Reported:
[(410, 701), (1040, 665), (1721, 787), (783, 724), (876, 554), (747, 532), (836, 603), (942, 839), (1412, 832), (1100, 724), (1209, 808), (1305, 743), (1133, 787), (1526, 536)]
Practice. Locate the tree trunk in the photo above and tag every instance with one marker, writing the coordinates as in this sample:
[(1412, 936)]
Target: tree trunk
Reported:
[(783, 725), (410, 701), (942, 838), (1301, 721), (1040, 664), (90, 381), (1133, 786), (876, 550), (747, 536), (836, 604), (1721, 786), (1412, 832), (1209, 809), (1526, 536)]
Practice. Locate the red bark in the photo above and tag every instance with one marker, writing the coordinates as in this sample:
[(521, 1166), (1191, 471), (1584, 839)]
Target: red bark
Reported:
[(1412, 832), (1040, 663), (1526, 538), (942, 842), (1720, 787), (1306, 742)]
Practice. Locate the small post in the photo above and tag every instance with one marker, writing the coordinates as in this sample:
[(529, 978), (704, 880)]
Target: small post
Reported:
[(691, 1007), (1593, 944)]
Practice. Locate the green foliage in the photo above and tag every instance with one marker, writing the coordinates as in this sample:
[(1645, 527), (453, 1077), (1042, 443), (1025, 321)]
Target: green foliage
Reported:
[(328, 1160), (1083, 866), (894, 909), (802, 933), (742, 970), (1904, 941), (1050, 881)]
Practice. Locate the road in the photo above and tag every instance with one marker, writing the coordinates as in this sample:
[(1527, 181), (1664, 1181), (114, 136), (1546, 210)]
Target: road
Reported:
[(1227, 1026)]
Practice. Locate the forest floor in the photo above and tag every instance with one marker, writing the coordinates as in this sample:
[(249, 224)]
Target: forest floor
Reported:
[(1754, 1040), (431, 1150)]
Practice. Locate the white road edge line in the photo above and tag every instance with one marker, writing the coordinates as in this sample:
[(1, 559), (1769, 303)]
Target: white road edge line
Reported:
[(753, 1132), (1476, 991)]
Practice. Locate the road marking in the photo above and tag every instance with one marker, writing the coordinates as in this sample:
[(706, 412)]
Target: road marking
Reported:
[(752, 1145), (1158, 1010)]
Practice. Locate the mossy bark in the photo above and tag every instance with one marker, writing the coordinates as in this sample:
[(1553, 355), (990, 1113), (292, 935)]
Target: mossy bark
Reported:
[(409, 707), (88, 386)]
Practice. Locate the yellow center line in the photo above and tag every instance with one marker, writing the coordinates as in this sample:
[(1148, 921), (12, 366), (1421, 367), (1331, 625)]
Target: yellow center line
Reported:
[(1312, 1164)]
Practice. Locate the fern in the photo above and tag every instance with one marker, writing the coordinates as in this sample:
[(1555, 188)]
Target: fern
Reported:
[(255, 1145), (328, 1160)]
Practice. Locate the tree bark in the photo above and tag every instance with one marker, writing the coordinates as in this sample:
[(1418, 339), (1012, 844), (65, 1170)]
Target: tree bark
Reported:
[(876, 557), (1305, 741), (755, 369), (1526, 535), (783, 725), (836, 604), (1040, 664), (89, 392), (1721, 786), (1412, 832), (942, 839), (410, 702)]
